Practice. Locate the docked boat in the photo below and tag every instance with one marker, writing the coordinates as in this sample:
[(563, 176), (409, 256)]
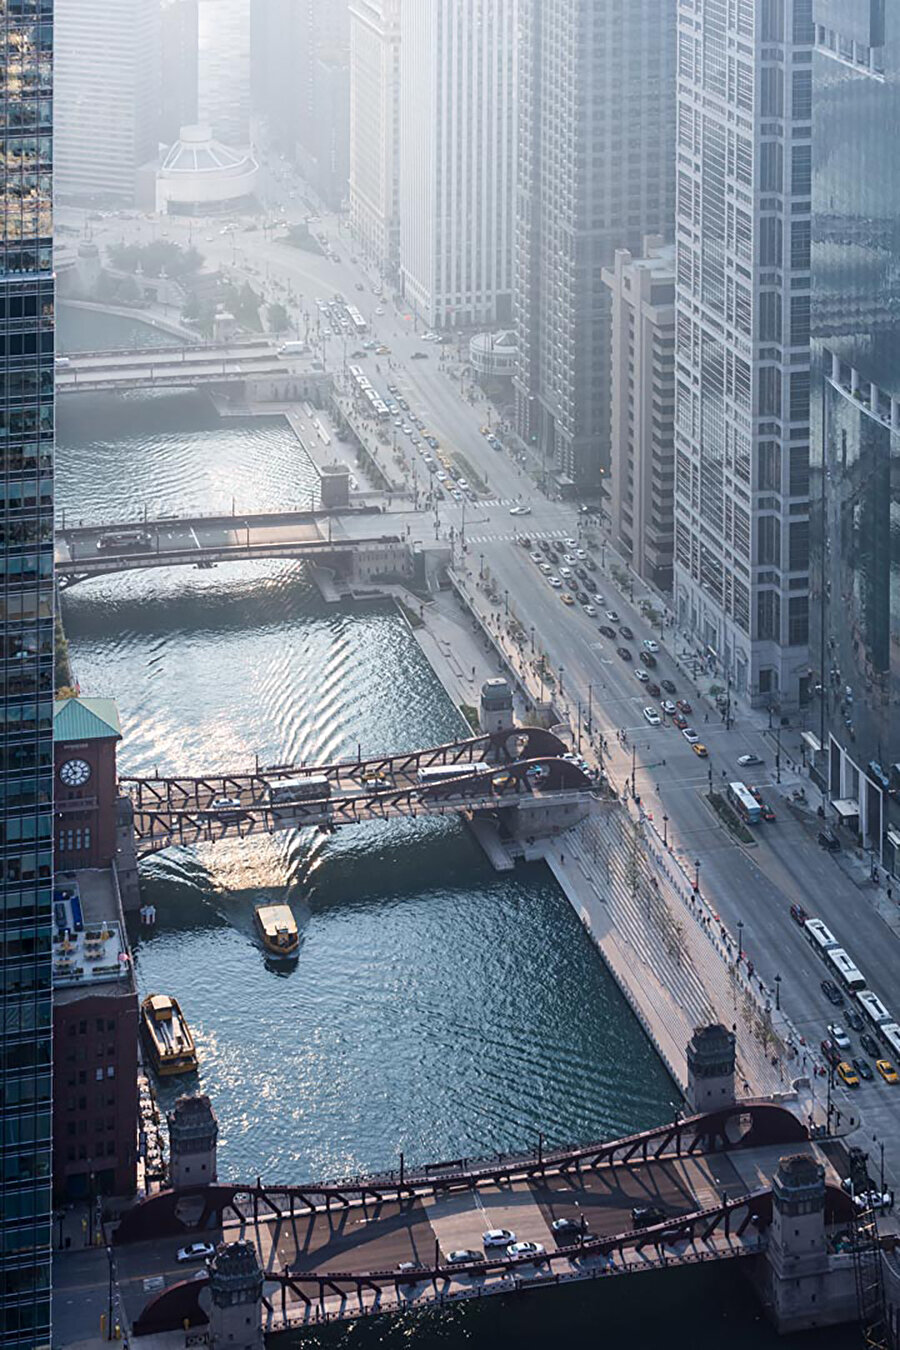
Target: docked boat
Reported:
[(278, 929), (167, 1036)]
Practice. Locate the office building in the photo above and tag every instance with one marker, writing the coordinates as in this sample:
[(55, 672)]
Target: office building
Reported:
[(642, 467), (595, 173), (179, 46), (26, 672), (457, 159), (855, 442), (375, 130), (742, 379), (223, 71), (107, 97)]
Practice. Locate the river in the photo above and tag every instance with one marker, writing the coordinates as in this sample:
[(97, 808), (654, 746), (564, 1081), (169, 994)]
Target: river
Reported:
[(436, 1008)]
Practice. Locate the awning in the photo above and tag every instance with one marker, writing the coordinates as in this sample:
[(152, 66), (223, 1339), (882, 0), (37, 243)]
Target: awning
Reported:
[(811, 742), (847, 808)]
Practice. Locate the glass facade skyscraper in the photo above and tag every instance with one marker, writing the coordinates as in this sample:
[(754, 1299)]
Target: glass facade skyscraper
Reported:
[(26, 668), (856, 402)]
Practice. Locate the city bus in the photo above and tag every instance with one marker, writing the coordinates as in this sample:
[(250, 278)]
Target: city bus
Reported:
[(442, 773), (744, 803), (849, 974), (872, 1008), (890, 1034), (820, 937), (357, 322), (309, 788)]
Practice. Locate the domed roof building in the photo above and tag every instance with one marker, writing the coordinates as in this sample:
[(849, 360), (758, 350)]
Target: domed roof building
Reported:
[(199, 174)]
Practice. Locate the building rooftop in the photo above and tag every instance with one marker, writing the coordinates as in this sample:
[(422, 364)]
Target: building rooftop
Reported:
[(85, 719), (89, 945)]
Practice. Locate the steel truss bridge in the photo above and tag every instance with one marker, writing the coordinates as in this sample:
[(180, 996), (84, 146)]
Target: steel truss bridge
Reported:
[(528, 771), (310, 1289), (173, 366)]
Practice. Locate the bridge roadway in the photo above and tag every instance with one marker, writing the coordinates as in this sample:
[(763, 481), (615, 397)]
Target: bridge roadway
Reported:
[(528, 771), (324, 1259), (172, 366)]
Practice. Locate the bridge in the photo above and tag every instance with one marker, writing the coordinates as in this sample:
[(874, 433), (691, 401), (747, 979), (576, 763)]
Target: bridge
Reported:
[(85, 551), (528, 783), (176, 367), (354, 1247)]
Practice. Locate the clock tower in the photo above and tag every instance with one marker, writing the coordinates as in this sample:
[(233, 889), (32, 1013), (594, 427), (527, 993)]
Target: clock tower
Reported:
[(85, 734)]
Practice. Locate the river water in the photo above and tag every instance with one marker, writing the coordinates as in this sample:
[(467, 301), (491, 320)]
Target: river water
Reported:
[(436, 1008)]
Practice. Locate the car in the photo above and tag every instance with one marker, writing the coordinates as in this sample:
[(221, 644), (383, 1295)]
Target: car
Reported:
[(668, 707), (799, 914), (374, 778), (624, 653), (536, 557), (648, 659), (379, 309), (626, 632), (612, 616), (679, 721), (498, 1237), (526, 1251), (887, 1070), (767, 812), (520, 510), (545, 546), (829, 841), (409, 1271), (683, 706), (406, 429), (831, 1053), (590, 564), (546, 568), (700, 750), (566, 1228), (747, 761), (382, 351), (641, 675), (565, 572), (536, 772), (590, 611), (555, 583), (872, 1200), (599, 600), (653, 689), (854, 1020), (832, 993), (570, 543), (195, 1251), (419, 356), (607, 631), (653, 717), (863, 1069), (870, 1045), (690, 735), (668, 686), (463, 1256), (650, 645), (644, 1216), (567, 598), (570, 559), (847, 1074), (225, 805)]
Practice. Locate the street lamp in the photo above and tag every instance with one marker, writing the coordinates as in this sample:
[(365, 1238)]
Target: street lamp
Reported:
[(740, 928), (778, 993), (481, 569), (561, 673), (665, 831), (506, 602), (532, 637), (697, 875)]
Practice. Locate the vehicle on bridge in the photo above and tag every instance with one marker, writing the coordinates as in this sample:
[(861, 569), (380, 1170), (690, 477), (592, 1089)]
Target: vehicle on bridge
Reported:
[(442, 773), (169, 1040), (122, 539), (309, 788)]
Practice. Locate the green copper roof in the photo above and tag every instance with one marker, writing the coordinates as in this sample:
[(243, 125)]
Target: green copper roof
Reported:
[(85, 719)]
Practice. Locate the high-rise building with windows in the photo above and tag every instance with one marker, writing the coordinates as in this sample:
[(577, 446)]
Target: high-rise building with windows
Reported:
[(375, 129), (742, 381), (457, 158), (26, 670), (855, 442), (596, 117), (223, 72)]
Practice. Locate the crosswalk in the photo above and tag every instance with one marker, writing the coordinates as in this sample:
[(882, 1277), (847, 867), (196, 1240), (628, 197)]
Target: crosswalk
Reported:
[(511, 537)]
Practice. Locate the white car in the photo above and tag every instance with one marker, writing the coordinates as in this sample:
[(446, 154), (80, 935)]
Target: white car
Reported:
[(525, 1251), (570, 559), (612, 615), (379, 309), (600, 600), (225, 805), (642, 676), (463, 1257), (555, 583), (650, 645), (546, 569), (565, 571), (463, 484), (580, 553), (747, 761), (839, 1036), (498, 1237), (406, 429), (590, 611), (520, 510), (537, 558), (195, 1251), (571, 543), (653, 717), (668, 707), (690, 735)]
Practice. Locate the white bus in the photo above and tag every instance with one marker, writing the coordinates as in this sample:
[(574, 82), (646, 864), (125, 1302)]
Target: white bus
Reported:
[(442, 773), (890, 1034), (289, 790), (847, 972), (873, 1009), (357, 321), (819, 936), (744, 802)]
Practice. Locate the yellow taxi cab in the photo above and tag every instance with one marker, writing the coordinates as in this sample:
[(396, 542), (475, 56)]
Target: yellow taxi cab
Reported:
[(567, 599), (700, 749), (847, 1074), (887, 1070)]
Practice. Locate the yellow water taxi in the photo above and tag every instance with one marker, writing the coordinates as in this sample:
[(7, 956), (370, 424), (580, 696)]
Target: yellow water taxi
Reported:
[(167, 1036), (278, 929)]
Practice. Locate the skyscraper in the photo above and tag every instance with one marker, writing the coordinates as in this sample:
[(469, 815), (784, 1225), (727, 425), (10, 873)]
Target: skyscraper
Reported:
[(26, 635), (595, 173), (457, 158), (223, 78), (375, 129), (742, 341), (855, 443), (107, 96)]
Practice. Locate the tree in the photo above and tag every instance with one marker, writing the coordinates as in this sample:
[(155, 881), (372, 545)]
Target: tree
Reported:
[(278, 317)]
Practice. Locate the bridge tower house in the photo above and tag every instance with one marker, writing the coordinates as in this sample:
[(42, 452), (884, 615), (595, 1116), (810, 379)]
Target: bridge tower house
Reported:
[(193, 1138), (496, 710), (797, 1255), (710, 1061), (235, 1287)]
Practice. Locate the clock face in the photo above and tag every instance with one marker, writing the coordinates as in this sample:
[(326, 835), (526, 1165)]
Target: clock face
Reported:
[(75, 772)]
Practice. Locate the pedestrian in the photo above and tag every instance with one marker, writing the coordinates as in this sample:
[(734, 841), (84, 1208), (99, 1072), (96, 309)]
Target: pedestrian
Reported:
[(706, 717)]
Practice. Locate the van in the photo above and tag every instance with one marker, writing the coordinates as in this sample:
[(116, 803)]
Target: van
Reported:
[(829, 841), (292, 349)]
